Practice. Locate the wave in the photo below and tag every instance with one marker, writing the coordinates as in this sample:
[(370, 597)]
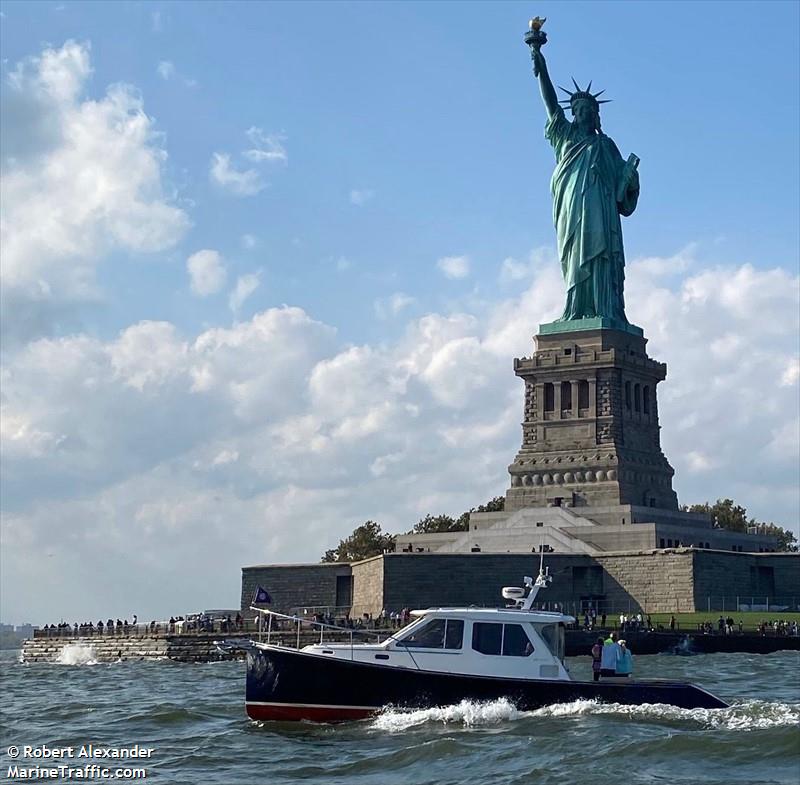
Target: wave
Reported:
[(77, 654), (744, 716), (467, 713)]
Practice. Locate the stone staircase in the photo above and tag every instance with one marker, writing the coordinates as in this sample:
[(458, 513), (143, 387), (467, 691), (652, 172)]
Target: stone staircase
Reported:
[(520, 532)]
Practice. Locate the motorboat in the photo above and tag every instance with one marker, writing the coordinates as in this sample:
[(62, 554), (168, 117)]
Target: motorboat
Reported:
[(444, 656)]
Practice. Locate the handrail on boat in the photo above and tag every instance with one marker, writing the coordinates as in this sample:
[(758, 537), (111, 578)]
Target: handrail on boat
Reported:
[(299, 621), (322, 625)]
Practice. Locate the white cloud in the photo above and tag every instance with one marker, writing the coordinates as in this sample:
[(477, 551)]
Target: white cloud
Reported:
[(360, 197), (239, 183), (206, 272), (225, 457), (791, 374), (165, 69), (249, 241), (138, 452), (342, 264), (266, 147), (245, 286), (513, 270), (81, 178), (392, 305), (454, 266), (698, 461), (657, 266)]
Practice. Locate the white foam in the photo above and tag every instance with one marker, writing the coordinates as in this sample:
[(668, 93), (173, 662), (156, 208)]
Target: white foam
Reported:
[(744, 716), (467, 713), (748, 715), (77, 654)]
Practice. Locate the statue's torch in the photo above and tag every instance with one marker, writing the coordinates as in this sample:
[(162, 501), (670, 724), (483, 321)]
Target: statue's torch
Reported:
[(536, 38)]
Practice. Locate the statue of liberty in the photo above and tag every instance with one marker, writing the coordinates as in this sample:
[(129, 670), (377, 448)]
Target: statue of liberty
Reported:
[(591, 186)]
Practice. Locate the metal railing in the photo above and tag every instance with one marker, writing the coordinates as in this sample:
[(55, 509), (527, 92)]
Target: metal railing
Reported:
[(709, 604), (277, 623)]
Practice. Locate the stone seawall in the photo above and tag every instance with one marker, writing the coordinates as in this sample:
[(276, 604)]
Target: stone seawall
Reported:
[(181, 648)]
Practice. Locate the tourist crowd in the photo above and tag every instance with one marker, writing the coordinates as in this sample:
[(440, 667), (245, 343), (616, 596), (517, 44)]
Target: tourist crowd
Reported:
[(390, 620), (199, 622)]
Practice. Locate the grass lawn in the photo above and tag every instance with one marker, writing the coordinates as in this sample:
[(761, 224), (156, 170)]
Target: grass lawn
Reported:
[(750, 619)]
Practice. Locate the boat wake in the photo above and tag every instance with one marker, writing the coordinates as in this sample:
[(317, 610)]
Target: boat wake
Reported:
[(77, 654), (467, 713), (744, 716)]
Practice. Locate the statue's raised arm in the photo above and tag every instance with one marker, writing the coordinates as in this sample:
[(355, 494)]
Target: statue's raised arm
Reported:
[(536, 38), (545, 83)]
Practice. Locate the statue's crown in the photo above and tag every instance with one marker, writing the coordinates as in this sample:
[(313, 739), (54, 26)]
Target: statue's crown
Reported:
[(582, 95)]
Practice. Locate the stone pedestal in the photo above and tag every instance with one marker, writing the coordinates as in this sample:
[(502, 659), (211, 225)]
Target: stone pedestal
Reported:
[(590, 434)]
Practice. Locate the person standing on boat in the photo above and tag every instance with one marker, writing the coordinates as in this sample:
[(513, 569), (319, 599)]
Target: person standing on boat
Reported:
[(625, 661), (610, 656), (597, 658)]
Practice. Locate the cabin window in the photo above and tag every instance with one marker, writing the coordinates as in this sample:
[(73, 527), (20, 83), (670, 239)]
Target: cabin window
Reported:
[(429, 636), (454, 635), (486, 637), (516, 642), (508, 639)]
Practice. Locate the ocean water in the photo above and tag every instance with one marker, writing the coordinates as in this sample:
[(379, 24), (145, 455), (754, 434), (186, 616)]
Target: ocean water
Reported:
[(193, 717)]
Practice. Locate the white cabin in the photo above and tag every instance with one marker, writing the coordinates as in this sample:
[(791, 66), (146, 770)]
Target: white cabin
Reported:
[(503, 642)]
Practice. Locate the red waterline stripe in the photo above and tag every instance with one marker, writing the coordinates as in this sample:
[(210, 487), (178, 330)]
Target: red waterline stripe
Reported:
[(293, 712)]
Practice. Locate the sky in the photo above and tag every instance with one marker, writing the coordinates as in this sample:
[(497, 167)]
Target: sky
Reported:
[(265, 268)]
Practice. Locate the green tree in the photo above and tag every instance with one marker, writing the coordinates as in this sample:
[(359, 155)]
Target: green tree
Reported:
[(435, 523), (431, 524), (786, 539), (733, 517), (365, 541), (498, 504)]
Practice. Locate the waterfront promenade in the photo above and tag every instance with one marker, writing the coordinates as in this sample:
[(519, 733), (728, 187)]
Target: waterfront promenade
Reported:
[(200, 646)]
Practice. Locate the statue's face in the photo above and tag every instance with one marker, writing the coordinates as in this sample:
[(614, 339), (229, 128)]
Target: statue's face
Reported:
[(584, 112)]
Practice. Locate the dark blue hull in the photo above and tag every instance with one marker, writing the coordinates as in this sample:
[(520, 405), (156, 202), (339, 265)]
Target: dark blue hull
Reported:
[(285, 684)]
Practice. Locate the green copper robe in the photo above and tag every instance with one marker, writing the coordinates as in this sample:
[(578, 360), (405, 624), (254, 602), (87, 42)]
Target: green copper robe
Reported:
[(587, 217)]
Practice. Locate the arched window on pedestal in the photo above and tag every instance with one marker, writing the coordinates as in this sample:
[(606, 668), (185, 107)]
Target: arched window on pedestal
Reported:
[(549, 398), (566, 396), (583, 395)]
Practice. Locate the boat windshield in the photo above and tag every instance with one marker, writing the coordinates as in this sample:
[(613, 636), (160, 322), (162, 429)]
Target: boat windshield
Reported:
[(435, 634), (553, 635)]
